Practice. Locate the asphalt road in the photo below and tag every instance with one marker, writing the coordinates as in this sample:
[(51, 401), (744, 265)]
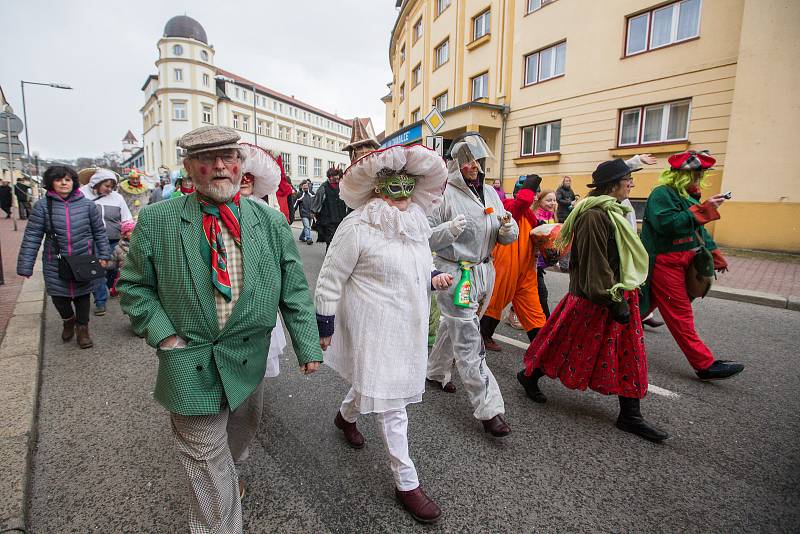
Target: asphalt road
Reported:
[(105, 460)]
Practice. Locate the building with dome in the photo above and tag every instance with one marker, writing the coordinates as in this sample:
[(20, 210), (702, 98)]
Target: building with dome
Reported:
[(189, 91)]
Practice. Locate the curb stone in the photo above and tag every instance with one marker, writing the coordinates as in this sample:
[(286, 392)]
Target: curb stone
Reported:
[(21, 357), (755, 297)]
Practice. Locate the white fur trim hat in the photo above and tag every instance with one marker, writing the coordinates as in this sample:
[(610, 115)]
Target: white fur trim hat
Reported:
[(265, 170), (358, 184)]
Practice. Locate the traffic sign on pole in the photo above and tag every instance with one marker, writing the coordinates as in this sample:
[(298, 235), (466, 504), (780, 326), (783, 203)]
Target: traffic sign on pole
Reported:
[(435, 142), (434, 120)]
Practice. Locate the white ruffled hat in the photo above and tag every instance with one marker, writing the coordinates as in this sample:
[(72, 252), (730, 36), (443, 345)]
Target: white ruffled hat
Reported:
[(265, 170), (358, 184)]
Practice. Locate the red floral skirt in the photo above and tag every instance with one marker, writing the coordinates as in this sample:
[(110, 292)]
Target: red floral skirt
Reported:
[(582, 346)]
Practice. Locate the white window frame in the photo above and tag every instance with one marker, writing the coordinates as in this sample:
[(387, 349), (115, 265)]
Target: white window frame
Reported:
[(260, 127), (286, 159), (537, 66), (416, 75), (417, 30), (246, 123), (402, 53), (235, 121), (207, 114), (649, 15), (180, 105), (642, 110), (532, 131), (206, 80), (203, 55), (237, 92), (302, 165), (437, 101), (317, 167), (482, 24), (402, 91), (177, 50), (536, 5), (441, 5), (178, 74), (441, 53), (484, 86)]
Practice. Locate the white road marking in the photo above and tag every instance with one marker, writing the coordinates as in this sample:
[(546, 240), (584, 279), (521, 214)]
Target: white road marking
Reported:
[(651, 388)]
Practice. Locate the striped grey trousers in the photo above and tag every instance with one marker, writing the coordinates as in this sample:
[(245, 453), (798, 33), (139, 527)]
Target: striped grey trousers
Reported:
[(209, 448)]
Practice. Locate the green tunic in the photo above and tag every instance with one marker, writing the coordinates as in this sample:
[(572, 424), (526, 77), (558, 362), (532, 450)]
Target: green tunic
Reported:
[(669, 226), (166, 289)]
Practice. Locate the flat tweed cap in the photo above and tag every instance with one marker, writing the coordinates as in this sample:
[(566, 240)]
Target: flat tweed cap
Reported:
[(208, 138)]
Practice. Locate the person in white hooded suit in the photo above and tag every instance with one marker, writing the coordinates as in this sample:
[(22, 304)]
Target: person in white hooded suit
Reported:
[(373, 301)]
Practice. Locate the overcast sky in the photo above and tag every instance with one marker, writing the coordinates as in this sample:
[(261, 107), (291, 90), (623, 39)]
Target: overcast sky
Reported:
[(330, 54)]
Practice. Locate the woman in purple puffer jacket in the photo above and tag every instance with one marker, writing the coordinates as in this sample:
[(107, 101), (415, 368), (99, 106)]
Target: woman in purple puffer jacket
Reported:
[(79, 230)]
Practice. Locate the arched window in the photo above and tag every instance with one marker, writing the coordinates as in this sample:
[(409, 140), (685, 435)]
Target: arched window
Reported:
[(177, 50), (204, 55)]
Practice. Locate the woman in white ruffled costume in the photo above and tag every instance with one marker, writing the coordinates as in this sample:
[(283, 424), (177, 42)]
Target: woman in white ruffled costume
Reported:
[(373, 300), (261, 177)]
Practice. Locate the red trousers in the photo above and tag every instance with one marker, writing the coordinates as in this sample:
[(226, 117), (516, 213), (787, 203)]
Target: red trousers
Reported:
[(668, 294)]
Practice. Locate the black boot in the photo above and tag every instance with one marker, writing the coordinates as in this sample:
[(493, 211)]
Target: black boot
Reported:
[(532, 334), (531, 385), (630, 420)]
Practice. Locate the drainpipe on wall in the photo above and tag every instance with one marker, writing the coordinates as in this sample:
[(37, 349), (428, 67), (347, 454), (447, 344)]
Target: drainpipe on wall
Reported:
[(506, 111)]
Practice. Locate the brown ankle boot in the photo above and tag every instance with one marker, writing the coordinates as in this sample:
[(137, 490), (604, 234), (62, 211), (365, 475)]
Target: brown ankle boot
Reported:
[(420, 506), (84, 341), (354, 438), (69, 329)]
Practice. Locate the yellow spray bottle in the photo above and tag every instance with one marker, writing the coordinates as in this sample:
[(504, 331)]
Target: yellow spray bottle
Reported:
[(463, 287)]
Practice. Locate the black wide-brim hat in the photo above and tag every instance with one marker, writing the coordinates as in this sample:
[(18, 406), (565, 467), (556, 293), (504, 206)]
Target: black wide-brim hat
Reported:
[(610, 171)]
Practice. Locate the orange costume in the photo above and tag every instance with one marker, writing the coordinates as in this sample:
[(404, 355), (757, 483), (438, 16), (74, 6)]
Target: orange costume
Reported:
[(515, 280)]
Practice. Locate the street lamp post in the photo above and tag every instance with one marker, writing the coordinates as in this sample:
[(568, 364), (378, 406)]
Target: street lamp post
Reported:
[(25, 114)]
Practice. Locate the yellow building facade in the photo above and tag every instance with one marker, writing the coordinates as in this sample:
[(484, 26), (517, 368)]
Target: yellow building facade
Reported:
[(558, 86)]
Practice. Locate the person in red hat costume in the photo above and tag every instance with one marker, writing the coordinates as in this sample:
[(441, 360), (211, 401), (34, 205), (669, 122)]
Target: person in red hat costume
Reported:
[(594, 337), (673, 228), (515, 267)]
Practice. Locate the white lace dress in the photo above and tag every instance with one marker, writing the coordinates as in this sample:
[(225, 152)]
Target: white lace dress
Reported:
[(376, 280)]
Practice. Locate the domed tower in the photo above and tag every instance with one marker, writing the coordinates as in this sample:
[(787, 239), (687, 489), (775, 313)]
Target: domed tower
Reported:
[(186, 92)]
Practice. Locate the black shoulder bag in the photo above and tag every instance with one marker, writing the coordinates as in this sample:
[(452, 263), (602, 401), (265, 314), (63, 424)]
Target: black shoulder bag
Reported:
[(83, 268)]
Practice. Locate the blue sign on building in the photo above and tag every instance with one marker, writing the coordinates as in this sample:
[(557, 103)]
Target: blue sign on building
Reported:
[(409, 136)]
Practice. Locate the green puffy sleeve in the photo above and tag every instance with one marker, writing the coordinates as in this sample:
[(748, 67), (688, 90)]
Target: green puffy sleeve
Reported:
[(295, 302)]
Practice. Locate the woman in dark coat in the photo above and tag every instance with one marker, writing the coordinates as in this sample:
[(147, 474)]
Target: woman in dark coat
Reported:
[(79, 231), (5, 199), (565, 197), (594, 337)]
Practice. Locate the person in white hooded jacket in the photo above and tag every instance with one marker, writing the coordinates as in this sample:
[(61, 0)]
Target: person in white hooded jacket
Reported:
[(113, 211), (466, 227)]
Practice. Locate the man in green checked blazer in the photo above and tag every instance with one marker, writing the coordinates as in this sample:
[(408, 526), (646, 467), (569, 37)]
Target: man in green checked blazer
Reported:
[(204, 279)]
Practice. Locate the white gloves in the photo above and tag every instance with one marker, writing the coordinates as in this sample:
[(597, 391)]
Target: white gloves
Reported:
[(506, 229), (458, 224)]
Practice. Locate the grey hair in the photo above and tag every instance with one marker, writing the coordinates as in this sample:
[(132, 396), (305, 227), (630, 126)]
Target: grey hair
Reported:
[(242, 154)]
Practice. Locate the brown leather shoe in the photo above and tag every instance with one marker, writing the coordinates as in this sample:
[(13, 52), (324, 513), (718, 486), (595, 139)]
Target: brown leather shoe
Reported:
[(491, 345), (354, 438), (420, 506), (69, 330), (497, 426), (82, 331), (447, 388)]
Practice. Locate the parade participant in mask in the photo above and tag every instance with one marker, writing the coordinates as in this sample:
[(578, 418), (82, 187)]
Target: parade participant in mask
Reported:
[(515, 267), (114, 211), (594, 337), (207, 299), (372, 301), (673, 229), (135, 192), (466, 227)]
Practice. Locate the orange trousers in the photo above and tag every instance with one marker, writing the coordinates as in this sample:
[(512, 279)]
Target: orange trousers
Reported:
[(515, 280)]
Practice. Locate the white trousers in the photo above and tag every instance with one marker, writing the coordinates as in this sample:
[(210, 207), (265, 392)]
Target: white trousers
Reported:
[(393, 426), (459, 338), (209, 448)]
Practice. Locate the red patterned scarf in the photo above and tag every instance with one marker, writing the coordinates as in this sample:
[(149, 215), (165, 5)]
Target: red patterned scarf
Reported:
[(214, 247)]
